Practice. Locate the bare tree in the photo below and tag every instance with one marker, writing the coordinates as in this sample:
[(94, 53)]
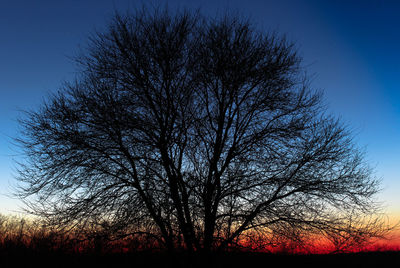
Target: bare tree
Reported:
[(193, 131)]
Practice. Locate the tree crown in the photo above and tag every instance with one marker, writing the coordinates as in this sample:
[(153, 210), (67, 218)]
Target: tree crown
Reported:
[(202, 133)]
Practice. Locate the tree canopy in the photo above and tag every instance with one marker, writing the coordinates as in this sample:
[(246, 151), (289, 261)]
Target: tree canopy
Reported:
[(202, 133)]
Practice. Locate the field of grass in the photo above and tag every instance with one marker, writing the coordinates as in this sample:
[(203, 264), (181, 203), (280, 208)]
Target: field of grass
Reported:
[(26, 243), (243, 260)]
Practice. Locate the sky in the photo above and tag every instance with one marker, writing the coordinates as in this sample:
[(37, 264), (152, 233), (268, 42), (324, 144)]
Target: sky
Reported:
[(350, 50)]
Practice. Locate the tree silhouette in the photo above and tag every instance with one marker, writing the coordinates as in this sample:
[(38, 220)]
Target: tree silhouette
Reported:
[(195, 132)]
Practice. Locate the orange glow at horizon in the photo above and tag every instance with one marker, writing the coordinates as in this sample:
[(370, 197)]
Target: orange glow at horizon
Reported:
[(316, 244)]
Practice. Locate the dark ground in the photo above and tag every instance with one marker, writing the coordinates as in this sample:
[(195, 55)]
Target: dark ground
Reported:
[(231, 260)]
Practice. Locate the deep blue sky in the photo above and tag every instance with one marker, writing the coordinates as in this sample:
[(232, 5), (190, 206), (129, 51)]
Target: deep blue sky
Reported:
[(351, 49)]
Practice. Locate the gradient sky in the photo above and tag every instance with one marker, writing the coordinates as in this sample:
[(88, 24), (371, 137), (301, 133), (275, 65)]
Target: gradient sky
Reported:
[(351, 49)]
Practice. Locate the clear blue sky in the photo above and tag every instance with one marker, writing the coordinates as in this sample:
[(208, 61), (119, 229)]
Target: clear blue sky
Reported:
[(350, 48)]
